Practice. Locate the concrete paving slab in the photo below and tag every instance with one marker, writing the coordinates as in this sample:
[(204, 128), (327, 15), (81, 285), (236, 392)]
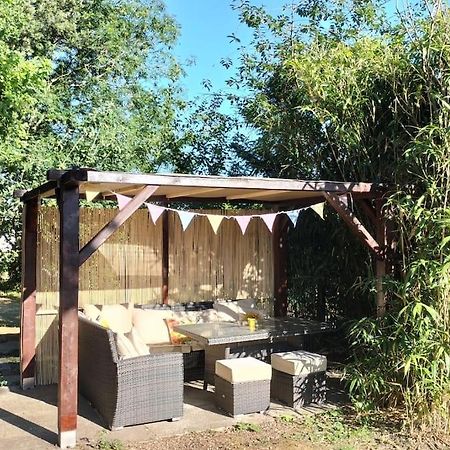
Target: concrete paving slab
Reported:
[(28, 419)]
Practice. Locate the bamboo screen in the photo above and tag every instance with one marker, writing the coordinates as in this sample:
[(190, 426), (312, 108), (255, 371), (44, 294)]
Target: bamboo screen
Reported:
[(127, 268)]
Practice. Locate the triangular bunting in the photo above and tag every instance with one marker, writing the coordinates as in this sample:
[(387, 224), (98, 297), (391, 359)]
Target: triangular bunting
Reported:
[(215, 220), (122, 200), (269, 220), (243, 222), (293, 216), (318, 209), (155, 211), (186, 218), (90, 195)]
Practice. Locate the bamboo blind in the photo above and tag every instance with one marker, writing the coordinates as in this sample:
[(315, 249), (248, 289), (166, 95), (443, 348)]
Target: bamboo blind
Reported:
[(127, 267)]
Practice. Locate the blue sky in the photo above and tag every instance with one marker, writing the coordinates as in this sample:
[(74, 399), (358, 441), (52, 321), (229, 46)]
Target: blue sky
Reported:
[(205, 25)]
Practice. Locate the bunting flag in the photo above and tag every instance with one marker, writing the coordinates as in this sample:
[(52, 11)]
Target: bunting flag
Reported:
[(155, 211), (243, 222), (269, 220), (90, 195), (318, 209), (186, 218), (122, 200), (215, 221), (293, 216)]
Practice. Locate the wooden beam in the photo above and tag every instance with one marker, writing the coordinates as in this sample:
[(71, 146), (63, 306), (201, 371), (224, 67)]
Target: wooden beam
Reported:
[(44, 190), (368, 210), (196, 181), (108, 230), (28, 301), (193, 192), (380, 263), (280, 261), (355, 225), (69, 216), (256, 194), (165, 257)]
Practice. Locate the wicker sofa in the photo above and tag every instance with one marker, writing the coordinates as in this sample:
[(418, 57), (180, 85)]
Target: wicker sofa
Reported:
[(130, 391)]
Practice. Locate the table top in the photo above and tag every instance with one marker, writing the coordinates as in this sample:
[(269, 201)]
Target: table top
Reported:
[(216, 333)]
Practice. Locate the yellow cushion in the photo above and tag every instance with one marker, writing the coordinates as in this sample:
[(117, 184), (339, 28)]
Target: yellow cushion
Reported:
[(118, 318), (240, 370), (151, 326), (125, 348), (299, 362), (137, 341)]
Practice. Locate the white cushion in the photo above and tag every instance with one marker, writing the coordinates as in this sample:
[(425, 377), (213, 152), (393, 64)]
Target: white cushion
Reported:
[(116, 317), (137, 341), (91, 312), (125, 348), (240, 370), (151, 327), (299, 362)]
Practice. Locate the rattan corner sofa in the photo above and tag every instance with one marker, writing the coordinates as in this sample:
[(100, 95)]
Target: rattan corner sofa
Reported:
[(129, 391)]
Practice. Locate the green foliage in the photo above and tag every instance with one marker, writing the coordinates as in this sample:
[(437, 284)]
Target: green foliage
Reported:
[(104, 443), (247, 426), (90, 84)]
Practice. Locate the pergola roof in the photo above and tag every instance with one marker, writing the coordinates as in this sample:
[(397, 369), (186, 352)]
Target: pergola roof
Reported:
[(180, 187)]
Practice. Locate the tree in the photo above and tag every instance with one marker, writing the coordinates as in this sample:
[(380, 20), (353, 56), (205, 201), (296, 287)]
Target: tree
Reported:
[(90, 84)]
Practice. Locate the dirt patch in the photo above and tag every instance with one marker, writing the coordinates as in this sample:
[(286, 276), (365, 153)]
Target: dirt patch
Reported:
[(9, 311)]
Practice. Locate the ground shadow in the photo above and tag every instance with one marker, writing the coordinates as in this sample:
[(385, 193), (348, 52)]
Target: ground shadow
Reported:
[(9, 311)]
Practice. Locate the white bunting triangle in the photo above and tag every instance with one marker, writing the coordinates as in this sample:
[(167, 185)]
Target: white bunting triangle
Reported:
[(215, 220), (186, 218), (293, 216), (91, 195), (243, 222), (269, 220), (123, 200), (155, 211)]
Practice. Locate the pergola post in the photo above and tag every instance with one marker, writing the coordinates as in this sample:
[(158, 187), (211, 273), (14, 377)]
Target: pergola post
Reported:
[(380, 262), (165, 257), (280, 262), (68, 202), (28, 303)]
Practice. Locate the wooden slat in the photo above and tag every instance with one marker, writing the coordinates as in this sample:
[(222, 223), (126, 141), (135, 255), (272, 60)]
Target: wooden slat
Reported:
[(44, 190), (256, 194), (68, 201), (353, 222), (28, 303), (112, 226), (165, 257)]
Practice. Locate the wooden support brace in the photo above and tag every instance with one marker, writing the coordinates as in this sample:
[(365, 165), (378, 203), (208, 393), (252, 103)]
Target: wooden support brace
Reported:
[(28, 303), (355, 225), (69, 213), (280, 265), (108, 230)]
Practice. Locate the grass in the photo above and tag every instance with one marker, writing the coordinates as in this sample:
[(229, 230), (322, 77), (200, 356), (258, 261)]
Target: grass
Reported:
[(9, 309)]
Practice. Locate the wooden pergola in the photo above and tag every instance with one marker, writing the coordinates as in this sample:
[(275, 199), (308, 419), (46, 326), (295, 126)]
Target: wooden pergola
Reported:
[(68, 187)]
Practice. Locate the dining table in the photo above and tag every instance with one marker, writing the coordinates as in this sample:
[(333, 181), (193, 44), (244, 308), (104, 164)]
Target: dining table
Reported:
[(223, 340)]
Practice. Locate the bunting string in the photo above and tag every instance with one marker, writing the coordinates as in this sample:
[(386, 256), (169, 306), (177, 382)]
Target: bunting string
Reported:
[(186, 217)]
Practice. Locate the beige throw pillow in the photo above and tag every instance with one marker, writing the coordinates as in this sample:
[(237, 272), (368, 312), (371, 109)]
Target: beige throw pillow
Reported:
[(117, 317), (125, 348), (138, 342), (151, 326)]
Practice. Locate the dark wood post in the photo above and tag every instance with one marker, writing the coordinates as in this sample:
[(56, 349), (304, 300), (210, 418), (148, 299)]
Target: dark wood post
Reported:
[(165, 257), (69, 260), (28, 304), (280, 262), (380, 261)]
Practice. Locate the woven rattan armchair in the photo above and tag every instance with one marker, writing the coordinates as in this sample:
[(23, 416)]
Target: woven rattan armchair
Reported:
[(127, 391)]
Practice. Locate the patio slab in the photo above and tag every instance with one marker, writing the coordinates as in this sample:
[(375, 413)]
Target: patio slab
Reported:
[(28, 419)]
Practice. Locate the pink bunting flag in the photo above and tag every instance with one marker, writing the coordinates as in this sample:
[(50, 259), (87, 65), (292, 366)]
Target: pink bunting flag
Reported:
[(155, 211), (269, 220), (123, 200), (243, 222)]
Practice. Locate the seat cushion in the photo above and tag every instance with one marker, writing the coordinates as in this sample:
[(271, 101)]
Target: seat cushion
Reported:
[(137, 341), (151, 326), (240, 370), (116, 317), (299, 362)]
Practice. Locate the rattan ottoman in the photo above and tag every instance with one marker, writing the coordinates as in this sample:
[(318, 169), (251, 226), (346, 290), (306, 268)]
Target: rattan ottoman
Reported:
[(242, 385), (298, 378)]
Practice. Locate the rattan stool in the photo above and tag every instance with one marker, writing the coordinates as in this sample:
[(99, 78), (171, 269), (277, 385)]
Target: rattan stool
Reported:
[(298, 378), (242, 385)]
